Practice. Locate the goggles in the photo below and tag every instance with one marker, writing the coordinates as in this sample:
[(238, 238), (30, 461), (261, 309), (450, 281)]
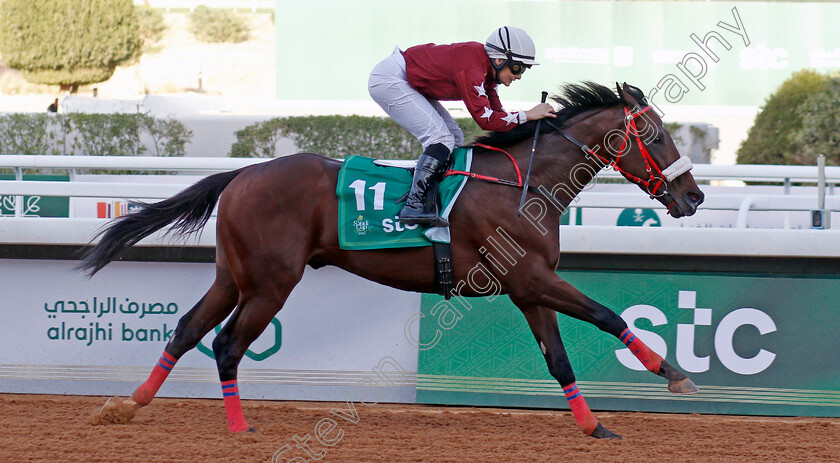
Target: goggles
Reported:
[(517, 67)]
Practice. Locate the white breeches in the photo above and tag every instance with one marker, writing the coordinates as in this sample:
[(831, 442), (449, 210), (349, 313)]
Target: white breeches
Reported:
[(425, 119)]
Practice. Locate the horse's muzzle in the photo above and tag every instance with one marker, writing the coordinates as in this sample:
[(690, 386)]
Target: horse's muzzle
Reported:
[(687, 204)]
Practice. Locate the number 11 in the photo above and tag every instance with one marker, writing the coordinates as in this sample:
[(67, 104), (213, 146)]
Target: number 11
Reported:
[(378, 195)]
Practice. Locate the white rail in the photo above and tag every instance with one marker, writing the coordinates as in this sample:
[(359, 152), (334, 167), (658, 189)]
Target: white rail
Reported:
[(579, 239), (719, 202), (735, 202), (90, 189), (744, 172), (756, 173), (743, 203), (153, 163)]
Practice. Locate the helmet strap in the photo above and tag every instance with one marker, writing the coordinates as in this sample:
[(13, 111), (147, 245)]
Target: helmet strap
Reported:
[(498, 68)]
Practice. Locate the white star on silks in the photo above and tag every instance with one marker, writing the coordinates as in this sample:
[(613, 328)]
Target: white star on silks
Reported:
[(511, 118), (481, 90), (487, 113)]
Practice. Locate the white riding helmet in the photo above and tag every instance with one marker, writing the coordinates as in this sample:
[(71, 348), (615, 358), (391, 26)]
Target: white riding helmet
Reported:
[(512, 44)]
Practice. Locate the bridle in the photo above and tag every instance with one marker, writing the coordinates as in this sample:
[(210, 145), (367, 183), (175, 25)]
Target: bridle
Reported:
[(657, 178)]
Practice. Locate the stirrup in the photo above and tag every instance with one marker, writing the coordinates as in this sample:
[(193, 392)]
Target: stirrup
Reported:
[(440, 222), (424, 220)]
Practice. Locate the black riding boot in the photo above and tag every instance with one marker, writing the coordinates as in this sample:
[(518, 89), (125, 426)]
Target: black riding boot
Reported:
[(421, 204)]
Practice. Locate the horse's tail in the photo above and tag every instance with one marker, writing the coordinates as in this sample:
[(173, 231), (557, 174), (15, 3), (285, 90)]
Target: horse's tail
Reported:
[(189, 210)]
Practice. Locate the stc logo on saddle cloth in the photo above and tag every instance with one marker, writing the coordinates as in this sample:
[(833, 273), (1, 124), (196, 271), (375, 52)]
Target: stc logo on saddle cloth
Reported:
[(724, 337), (362, 226)]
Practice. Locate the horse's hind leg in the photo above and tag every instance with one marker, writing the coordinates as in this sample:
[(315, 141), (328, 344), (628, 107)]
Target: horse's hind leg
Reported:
[(543, 323), (252, 316), (211, 310)]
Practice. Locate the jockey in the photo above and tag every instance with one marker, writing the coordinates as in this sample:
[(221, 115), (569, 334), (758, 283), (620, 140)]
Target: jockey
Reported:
[(408, 85)]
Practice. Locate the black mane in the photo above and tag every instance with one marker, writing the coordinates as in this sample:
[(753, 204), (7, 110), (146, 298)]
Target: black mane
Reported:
[(573, 100)]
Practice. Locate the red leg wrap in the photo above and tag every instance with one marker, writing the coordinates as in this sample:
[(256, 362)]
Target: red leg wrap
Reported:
[(584, 417), (233, 407), (144, 394), (650, 359)]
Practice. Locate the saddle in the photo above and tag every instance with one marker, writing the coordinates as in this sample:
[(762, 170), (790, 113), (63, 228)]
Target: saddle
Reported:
[(432, 196)]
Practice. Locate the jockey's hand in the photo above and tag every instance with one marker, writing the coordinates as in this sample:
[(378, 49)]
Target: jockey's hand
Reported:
[(540, 111)]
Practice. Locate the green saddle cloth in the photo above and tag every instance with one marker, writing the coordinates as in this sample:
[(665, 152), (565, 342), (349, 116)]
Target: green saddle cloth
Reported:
[(368, 213)]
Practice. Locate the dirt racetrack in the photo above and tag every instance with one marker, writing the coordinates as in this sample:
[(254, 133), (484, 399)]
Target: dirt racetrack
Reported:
[(57, 429)]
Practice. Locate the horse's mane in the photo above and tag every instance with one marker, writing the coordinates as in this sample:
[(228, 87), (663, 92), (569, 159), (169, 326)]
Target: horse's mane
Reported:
[(573, 100)]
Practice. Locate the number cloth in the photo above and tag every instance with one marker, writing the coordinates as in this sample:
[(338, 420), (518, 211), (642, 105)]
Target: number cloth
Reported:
[(368, 212)]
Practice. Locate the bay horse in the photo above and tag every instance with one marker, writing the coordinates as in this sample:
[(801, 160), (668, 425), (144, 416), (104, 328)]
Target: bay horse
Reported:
[(277, 217)]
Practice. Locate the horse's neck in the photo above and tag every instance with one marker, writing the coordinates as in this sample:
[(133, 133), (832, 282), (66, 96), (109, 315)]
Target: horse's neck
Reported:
[(564, 169)]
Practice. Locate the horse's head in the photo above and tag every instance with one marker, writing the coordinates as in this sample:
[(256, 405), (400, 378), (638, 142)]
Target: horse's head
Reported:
[(634, 136), (646, 155)]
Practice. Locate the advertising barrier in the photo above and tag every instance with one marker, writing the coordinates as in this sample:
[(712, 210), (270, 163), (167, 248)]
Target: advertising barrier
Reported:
[(760, 345), (65, 334), (36, 206), (758, 341)]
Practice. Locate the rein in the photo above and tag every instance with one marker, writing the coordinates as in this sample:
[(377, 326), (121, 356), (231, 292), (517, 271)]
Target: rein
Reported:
[(657, 177), (501, 181), (487, 178)]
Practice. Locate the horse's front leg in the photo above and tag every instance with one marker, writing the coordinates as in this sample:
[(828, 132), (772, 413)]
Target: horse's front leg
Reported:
[(552, 292), (543, 323)]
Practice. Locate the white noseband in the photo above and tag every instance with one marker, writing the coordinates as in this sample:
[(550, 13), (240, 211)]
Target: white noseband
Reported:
[(679, 167)]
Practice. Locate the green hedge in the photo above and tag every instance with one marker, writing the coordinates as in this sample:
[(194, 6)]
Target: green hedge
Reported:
[(218, 26), (336, 137), (92, 134)]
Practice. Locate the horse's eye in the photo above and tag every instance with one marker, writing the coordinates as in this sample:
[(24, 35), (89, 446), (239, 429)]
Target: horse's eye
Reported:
[(658, 139)]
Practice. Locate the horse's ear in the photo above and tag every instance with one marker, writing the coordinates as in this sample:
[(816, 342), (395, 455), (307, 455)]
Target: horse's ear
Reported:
[(624, 92)]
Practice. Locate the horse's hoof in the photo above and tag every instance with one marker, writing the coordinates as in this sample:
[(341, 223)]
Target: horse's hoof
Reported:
[(601, 432), (116, 411), (245, 428), (683, 386)]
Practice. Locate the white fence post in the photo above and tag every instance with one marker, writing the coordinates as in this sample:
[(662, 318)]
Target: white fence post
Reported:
[(821, 192), (18, 199)]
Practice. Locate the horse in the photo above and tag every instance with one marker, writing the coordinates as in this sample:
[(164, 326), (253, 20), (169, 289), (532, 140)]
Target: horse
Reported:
[(277, 217)]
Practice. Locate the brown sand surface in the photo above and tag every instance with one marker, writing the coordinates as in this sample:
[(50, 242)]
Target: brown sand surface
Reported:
[(57, 429)]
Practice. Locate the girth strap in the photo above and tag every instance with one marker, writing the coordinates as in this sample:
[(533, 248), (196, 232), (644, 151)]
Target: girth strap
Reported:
[(444, 281)]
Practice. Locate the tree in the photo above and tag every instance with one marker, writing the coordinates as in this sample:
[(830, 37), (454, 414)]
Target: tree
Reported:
[(68, 42), (152, 27), (771, 138), (820, 132)]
